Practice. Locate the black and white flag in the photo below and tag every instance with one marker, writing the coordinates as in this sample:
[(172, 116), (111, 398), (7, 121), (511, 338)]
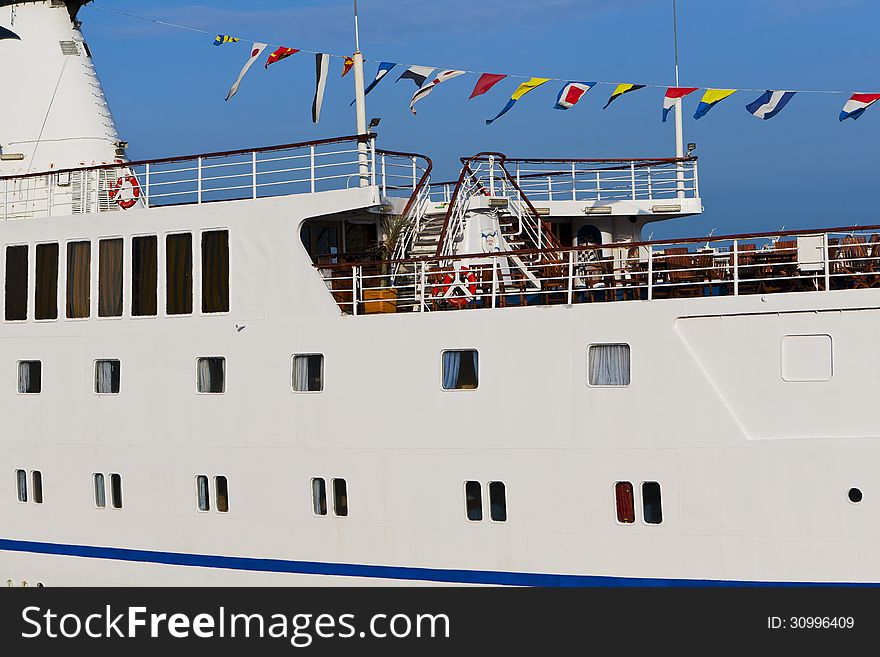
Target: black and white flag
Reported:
[(322, 66), (417, 74)]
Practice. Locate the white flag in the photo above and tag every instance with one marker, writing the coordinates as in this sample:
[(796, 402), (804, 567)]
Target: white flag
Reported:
[(256, 51), (322, 65), (428, 88)]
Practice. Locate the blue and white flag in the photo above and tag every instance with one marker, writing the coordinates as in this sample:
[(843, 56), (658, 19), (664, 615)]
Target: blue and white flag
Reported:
[(418, 74), (384, 69), (770, 104)]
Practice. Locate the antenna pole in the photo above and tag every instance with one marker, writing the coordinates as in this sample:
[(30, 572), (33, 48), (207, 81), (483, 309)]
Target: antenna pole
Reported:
[(360, 103), (679, 112)]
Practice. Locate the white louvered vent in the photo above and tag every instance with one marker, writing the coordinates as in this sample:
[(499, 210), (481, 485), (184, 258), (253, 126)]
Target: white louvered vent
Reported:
[(106, 180), (69, 48), (79, 192)]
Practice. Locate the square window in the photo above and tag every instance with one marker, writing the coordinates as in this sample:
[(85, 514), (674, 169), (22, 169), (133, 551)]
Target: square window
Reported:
[(100, 491), (21, 485), (473, 500), (202, 493), (623, 496), (221, 486), (461, 370), (319, 496), (651, 503), (116, 490), (497, 501), (609, 365), (37, 481), (107, 375), (340, 497), (212, 375), (308, 373), (30, 377)]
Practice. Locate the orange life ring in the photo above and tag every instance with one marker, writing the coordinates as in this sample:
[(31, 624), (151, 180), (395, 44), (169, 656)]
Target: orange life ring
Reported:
[(115, 192), (463, 280)]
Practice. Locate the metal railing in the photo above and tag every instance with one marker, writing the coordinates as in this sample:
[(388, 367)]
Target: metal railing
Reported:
[(608, 180), (787, 262), (307, 167)]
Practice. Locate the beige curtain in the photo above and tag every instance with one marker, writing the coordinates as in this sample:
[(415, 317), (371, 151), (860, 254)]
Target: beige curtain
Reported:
[(79, 260), (46, 298), (110, 278), (144, 275), (178, 274), (215, 271)]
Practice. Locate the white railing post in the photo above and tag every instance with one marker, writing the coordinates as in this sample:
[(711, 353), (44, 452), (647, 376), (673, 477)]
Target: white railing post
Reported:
[(696, 180), (312, 168), (736, 268), (147, 181), (254, 172), (494, 281), (422, 288), (827, 258), (574, 184), (650, 186), (354, 290), (384, 177), (549, 188), (199, 183), (373, 162), (650, 273), (570, 277), (518, 183), (415, 180), (632, 168), (491, 175), (598, 186)]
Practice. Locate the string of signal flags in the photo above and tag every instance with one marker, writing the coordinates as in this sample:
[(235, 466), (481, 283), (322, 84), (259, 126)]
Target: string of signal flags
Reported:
[(427, 78)]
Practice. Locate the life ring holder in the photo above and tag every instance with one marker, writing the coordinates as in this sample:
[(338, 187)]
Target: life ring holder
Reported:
[(464, 281), (116, 189)]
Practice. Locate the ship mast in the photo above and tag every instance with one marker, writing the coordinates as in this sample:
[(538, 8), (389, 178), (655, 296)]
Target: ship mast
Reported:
[(679, 112), (360, 103)]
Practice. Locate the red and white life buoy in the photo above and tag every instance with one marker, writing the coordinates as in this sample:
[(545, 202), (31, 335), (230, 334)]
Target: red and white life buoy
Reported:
[(129, 199), (458, 290)]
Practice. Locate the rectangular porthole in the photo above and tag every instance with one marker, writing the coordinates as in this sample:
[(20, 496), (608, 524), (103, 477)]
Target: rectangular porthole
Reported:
[(609, 365), (37, 483), (221, 488), (116, 491), (108, 374), (473, 500), (30, 377), (651, 503), (215, 271), (461, 370), (497, 501), (110, 278), (144, 275), (178, 274), (46, 293), (100, 491), (21, 485), (211, 375), (624, 499), (79, 262), (16, 283), (203, 493), (308, 373), (340, 497), (319, 496)]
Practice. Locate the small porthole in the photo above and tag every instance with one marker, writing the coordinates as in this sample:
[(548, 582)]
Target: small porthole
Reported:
[(855, 495)]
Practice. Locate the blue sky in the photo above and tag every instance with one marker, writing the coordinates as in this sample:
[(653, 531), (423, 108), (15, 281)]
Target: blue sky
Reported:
[(167, 86)]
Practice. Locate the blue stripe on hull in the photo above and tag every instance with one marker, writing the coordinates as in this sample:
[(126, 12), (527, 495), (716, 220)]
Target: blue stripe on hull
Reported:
[(495, 578)]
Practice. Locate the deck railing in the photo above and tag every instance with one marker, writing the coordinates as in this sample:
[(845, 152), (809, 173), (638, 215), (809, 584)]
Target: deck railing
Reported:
[(307, 167), (809, 261)]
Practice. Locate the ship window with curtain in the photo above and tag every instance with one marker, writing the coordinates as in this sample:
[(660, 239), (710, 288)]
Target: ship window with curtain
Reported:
[(340, 497), (651, 503), (116, 491), (30, 377), (21, 485), (144, 276), (16, 283), (319, 496), (609, 365), (473, 500), (215, 271), (211, 375), (178, 274), (100, 491), (221, 487), (79, 261), (37, 482), (497, 501), (110, 278), (626, 508), (461, 369), (203, 494), (107, 377), (46, 294), (308, 373)]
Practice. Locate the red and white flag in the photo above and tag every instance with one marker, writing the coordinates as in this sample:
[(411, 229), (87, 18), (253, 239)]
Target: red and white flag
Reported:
[(256, 51), (673, 96), (857, 105), (572, 93), (428, 88)]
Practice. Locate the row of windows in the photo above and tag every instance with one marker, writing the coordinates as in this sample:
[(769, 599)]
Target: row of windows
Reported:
[(216, 497), (609, 366), (143, 270), (308, 375)]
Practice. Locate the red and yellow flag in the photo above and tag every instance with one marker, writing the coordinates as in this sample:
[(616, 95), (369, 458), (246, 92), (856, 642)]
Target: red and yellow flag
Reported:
[(347, 66), (281, 53)]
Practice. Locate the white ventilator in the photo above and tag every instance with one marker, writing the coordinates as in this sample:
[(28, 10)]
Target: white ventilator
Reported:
[(53, 114)]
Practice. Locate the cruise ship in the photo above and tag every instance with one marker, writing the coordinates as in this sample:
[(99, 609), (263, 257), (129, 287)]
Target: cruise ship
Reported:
[(315, 364)]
